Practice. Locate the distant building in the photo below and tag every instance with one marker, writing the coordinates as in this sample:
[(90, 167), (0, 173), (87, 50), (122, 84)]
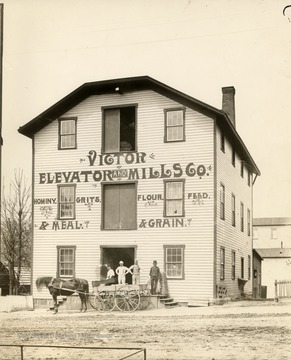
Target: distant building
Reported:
[(132, 168), (272, 241)]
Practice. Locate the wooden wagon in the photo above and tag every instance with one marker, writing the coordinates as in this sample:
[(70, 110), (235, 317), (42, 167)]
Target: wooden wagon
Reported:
[(107, 297)]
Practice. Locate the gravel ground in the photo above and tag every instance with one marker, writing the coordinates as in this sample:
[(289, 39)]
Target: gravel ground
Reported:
[(237, 330)]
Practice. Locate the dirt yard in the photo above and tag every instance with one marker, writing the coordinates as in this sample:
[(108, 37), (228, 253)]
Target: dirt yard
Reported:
[(238, 330)]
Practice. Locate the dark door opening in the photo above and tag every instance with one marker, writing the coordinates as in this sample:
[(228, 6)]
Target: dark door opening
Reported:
[(112, 255)]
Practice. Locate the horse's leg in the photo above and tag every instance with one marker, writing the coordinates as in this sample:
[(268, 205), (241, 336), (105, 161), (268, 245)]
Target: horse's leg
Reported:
[(83, 302), (55, 297)]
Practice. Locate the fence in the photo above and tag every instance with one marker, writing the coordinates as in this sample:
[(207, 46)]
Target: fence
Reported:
[(282, 289), (137, 350)]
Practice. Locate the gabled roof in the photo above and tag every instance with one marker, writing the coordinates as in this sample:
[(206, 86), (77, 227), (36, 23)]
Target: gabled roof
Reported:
[(281, 221), (135, 84), (274, 253)]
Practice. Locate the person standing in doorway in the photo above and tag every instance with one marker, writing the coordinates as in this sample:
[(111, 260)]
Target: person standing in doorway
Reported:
[(135, 272), (103, 272), (155, 276), (121, 271)]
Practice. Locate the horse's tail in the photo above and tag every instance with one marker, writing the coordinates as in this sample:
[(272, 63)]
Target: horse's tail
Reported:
[(43, 281)]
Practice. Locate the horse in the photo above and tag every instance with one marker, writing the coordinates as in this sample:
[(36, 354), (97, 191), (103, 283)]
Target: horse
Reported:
[(65, 287)]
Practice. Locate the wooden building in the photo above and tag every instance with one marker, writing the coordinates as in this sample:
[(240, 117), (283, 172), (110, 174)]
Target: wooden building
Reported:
[(133, 169)]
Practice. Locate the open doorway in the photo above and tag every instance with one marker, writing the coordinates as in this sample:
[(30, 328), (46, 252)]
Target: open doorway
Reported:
[(112, 255)]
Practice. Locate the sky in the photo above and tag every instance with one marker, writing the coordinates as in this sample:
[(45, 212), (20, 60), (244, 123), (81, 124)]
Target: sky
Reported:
[(197, 47)]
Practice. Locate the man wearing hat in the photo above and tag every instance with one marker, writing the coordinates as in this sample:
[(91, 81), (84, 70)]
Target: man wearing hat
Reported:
[(121, 271)]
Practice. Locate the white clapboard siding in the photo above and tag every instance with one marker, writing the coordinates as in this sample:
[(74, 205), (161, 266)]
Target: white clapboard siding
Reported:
[(197, 236), (232, 238)]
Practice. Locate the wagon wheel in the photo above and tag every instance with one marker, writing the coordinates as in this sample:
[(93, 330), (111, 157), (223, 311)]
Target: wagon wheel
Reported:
[(106, 299), (95, 302), (102, 301), (145, 299), (127, 299)]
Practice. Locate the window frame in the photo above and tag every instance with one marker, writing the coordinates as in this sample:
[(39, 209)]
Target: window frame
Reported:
[(222, 203), (182, 247), (70, 247), (242, 169), (249, 222), (249, 178), (249, 267), (183, 197), (166, 111), (73, 217), (233, 260), (242, 220), (233, 156), (222, 141), (222, 263), (242, 267), (63, 119), (116, 107), (233, 217), (103, 185)]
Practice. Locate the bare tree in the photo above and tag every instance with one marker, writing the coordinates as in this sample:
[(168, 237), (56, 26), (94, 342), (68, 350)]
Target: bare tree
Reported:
[(16, 228)]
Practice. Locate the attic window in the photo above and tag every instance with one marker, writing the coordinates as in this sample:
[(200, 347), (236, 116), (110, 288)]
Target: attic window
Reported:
[(119, 126), (67, 133), (174, 125)]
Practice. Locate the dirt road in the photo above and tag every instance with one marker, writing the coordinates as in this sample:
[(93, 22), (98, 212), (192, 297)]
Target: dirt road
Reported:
[(239, 330)]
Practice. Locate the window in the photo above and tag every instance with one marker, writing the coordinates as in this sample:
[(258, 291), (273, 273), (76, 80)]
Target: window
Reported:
[(242, 169), (241, 216), (249, 222), (174, 125), (249, 267), (274, 233), (119, 126), (249, 178), (119, 206), (233, 265), (222, 263), (242, 265), (233, 210), (66, 261), (222, 202), (222, 142), (233, 156), (68, 133), (66, 201), (174, 198), (174, 261)]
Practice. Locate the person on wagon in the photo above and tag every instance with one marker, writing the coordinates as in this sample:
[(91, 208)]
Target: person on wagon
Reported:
[(121, 271)]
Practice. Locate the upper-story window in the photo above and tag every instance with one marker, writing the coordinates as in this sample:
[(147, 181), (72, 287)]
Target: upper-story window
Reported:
[(249, 221), (174, 125), (233, 210), (249, 178), (222, 142), (242, 169), (68, 133), (233, 156), (66, 201), (241, 216), (222, 202), (174, 198), (119, 129)]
